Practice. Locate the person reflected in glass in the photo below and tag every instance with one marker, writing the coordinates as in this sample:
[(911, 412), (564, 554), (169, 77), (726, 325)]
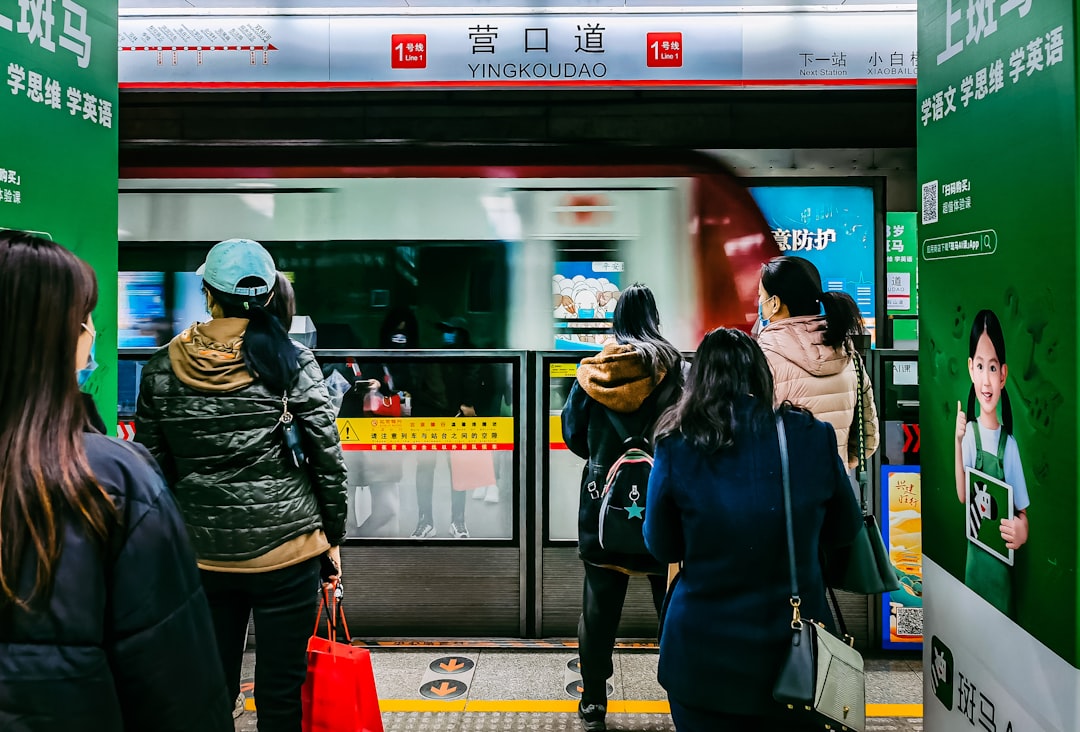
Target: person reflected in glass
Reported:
[(443, 389), (716, 505), (637, 378), (213, 408), (380, 389), (104, 624)]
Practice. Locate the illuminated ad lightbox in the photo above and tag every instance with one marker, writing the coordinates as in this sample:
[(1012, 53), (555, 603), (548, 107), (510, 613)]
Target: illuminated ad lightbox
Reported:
[(584, 295), (833, 227)]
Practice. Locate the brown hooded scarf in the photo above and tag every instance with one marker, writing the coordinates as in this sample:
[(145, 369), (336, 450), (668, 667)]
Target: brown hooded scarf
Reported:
[(617, 378)]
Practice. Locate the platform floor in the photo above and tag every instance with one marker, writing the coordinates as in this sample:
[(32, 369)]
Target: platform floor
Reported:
[(496, 690)]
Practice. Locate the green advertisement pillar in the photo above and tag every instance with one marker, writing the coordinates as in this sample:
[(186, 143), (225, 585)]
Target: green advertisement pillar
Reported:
[(58, 161), (997, 166)]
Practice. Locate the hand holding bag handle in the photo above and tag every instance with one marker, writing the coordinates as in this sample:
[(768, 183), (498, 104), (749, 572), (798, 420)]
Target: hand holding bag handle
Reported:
[(822, 677), (863, 566)]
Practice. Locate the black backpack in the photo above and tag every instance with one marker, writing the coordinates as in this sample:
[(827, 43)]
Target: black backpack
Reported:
[(622, 508)]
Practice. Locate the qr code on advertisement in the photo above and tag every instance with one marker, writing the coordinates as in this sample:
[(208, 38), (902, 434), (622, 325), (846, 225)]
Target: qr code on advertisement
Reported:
[(909, 622), (930, 202)]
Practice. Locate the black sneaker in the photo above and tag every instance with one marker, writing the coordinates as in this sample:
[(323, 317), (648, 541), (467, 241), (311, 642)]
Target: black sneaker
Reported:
[(592, 717)]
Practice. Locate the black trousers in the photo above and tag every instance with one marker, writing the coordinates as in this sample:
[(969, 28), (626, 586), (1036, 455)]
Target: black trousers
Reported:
[(425, 487), (284, 605), (601, 609)]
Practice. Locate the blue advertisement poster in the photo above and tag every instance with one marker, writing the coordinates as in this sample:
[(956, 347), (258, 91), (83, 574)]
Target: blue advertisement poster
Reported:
[(584, 295), (833, 227)]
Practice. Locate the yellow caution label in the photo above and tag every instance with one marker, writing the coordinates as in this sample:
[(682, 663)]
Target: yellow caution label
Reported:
[(555, 441), (562, 370), (427, 433)]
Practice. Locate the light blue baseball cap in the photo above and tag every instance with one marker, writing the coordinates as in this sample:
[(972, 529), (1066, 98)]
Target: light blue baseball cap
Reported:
[(232, 260)]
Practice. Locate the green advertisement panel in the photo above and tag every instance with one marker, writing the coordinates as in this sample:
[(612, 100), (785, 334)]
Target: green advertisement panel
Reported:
[(902, 274), (58, 163), (997, 166)]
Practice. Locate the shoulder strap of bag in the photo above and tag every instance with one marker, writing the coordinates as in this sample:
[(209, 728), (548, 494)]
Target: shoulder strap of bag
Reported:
[(860, 474), (620, 426), (836, 611), (617, 423), (785, 473)]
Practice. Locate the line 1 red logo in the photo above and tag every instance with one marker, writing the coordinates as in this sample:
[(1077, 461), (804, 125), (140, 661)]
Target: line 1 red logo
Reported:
[(665, 50), (408, 51)]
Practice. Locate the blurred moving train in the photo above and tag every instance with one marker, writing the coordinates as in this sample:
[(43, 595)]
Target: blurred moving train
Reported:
[(530, 243)]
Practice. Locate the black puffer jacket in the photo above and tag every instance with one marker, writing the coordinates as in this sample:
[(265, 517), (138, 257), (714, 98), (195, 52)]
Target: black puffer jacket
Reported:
[(224, 457), (615, 379), (126, 642)]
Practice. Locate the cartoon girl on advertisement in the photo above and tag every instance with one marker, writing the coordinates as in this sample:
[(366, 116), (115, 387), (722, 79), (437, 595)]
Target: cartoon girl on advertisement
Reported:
[(987, 444)]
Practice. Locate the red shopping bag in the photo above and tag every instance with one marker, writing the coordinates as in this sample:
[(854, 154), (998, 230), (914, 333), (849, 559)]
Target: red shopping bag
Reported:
[(339, 691), (469, 469), (377, 405)]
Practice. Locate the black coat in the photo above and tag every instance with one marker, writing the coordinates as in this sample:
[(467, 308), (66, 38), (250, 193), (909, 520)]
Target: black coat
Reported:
[(126, 642), (589, 434), (224, 456), (728, 623)]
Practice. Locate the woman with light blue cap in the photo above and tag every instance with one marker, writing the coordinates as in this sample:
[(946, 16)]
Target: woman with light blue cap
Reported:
[(241, 422)]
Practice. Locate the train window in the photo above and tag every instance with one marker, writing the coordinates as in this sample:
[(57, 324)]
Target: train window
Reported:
[(346, 288)]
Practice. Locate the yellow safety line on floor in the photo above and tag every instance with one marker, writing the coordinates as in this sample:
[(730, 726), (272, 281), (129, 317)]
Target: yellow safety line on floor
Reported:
[(555, 706), (421, 705), (894, 710)]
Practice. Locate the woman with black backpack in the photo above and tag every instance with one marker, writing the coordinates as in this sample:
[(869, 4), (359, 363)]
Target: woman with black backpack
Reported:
[(612, 408)]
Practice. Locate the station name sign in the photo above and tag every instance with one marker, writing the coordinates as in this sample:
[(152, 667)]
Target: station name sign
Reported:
[(601, 48)]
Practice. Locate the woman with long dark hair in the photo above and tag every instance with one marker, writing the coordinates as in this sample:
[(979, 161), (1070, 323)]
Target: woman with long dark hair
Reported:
[(622, 389), (103, 622), (806, 335), (216, 408), (716, 505)]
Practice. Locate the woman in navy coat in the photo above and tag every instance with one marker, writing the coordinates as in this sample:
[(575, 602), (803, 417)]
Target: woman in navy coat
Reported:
[(716, 505)]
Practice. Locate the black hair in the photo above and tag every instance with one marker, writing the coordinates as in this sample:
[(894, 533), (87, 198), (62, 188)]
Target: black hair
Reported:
[(797, 283), (727, 367), (46, 297), (636, 322), (987, 322), (267, 350), (404, 317), (283, 304)]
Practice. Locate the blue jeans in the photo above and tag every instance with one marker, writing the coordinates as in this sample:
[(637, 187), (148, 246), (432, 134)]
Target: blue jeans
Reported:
[(283, 603)]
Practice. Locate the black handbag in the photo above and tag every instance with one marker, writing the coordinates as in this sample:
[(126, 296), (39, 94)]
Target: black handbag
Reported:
[(290, 432), (822, 680), (863, 566)]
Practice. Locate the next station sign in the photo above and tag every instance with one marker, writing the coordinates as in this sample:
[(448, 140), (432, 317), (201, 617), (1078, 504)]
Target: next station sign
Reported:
[(844, 48)]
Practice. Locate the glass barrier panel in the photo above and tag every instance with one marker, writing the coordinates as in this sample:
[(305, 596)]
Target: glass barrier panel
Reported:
[(428, 440), (564, 467), (429, 443)]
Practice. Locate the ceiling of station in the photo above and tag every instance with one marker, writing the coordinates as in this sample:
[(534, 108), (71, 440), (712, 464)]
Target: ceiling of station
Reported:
[(217, 6)]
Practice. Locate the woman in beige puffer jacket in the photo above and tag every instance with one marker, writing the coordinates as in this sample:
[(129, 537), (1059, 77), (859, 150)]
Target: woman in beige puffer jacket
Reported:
[(812, 357)]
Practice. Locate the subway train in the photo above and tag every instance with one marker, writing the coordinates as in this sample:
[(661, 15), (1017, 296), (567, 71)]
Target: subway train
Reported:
[(530, 243)]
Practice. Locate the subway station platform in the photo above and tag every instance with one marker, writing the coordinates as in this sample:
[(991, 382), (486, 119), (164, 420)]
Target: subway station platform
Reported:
[(461, 689)]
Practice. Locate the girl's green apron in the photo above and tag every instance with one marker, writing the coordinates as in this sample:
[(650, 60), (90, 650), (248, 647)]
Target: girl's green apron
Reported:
[(987, 575)]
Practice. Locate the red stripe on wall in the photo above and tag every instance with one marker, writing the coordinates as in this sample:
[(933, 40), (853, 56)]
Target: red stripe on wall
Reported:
[(891, 82)]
